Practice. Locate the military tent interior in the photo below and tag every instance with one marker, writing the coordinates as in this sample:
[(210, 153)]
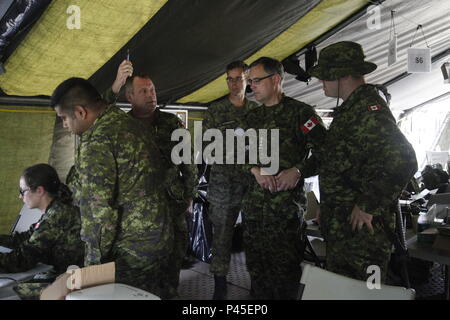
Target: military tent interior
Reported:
[(185, 45)]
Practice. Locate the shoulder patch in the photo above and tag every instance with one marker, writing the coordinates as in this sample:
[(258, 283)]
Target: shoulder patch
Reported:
[(374, 107), (309, 125)]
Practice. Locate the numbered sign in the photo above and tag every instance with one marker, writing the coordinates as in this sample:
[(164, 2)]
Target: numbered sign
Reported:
[(419, 60), (392, 53)]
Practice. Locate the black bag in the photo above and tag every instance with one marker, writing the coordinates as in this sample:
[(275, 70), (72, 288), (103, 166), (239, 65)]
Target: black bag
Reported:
[(200, 228), (200, 232)]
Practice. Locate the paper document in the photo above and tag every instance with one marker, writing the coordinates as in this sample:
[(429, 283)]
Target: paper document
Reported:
[(5, 249), (422, 194)]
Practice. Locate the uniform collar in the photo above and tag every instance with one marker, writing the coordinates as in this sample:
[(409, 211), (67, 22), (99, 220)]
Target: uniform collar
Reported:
[(354, 97), (281, 102), (107, 110), (153, 119)]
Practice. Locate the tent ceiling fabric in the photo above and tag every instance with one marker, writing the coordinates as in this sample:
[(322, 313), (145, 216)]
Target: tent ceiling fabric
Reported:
[(410, 91), (316, 22), (52, 52), (185, 45), (189, 43), (18, 17)]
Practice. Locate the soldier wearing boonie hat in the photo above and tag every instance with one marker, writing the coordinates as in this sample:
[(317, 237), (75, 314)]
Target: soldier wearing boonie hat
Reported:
[(341, 59), (366, 162)]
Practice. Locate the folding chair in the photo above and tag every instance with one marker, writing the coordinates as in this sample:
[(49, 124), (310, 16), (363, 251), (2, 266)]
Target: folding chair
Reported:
[(320, 284)]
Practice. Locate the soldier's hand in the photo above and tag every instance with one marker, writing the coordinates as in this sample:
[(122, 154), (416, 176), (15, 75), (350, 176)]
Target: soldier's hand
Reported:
[(360, 218), (266, 181), (287, 179), (124, 71), (317, 218), (189, 209)]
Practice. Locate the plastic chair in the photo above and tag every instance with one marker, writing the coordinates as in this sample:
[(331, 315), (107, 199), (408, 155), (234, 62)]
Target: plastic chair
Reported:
[(320, 284), (111, 291)]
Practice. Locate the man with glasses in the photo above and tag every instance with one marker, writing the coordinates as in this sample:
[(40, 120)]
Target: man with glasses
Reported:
[(225, 188), (273, 243)]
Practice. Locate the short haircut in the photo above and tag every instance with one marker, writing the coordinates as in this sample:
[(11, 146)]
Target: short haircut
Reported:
[(237, 64), (73, 92), (129, 81), (270, 65)]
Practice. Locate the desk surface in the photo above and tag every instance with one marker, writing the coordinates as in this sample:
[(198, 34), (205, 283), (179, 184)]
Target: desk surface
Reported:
[(416, 250), (22, 276), (425, 251)]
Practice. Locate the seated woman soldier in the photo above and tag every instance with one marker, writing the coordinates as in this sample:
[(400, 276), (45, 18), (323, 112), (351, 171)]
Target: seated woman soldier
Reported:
[(54, 239)]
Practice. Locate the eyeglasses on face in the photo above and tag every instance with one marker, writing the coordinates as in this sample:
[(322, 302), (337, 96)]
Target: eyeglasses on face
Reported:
[(237, 79), (22, 191), (258, 80)]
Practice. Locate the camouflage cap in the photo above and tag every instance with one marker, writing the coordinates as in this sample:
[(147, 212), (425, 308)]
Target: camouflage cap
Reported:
[(341, 59)]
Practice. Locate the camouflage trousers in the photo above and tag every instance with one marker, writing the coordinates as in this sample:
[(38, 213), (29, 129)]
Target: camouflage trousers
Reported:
[(223, 218), (272, 242), (30, 290), (142, 263), (143, 273), (350, 253), (181, 243)]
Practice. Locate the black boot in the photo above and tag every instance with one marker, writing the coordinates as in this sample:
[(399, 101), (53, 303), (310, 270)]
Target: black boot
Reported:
[(220, 287)]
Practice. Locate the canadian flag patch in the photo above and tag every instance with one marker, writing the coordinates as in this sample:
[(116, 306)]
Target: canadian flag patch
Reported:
[(36, 226), (309, 125), (374, 107)]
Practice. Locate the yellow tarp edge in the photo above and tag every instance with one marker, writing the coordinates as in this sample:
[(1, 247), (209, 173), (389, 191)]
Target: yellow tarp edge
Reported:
[(319, 20), (52, 52), (26, 111)]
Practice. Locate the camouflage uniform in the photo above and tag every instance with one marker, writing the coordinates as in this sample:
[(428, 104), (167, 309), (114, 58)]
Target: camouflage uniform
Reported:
[(366, 161), (53, 240), (73, 182), (180, 186), (225, 188), (124, 214), (180, 190), (271, 222)]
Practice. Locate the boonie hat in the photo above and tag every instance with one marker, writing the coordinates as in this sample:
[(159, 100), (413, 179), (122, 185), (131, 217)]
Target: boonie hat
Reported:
[(341, 59)]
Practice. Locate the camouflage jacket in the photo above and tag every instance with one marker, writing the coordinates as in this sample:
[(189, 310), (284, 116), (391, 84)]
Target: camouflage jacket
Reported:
[(366, 159), (109, 96), (54, 240), (117, 174), (301, 131), (181, 180), (224, 179)]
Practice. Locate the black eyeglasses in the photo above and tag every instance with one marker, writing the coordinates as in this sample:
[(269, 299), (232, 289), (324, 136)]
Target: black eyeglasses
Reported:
[(237, 79), (22, 192), (258, 80)]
